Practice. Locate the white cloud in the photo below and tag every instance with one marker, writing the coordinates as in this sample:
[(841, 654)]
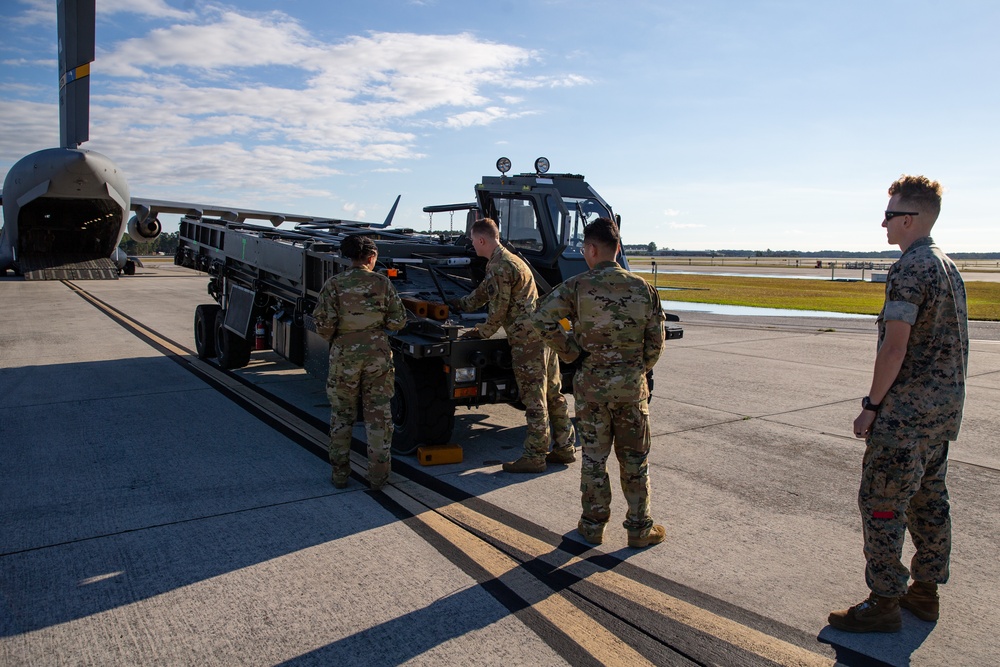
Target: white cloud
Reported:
[(671, 213), (220, 99), (483, 117), (41, 12), (38, 62), (37, 12), (152, 8), (26, 127), (353, 98)]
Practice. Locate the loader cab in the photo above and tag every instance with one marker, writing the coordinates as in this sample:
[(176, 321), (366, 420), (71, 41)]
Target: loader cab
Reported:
[(542, 216)]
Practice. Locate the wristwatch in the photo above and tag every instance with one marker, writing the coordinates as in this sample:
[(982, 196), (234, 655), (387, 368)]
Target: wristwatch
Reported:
[(866, 404)]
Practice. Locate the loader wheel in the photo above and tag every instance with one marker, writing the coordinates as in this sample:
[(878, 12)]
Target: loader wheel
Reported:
[(204, 330), (231, 350), (422, 412)]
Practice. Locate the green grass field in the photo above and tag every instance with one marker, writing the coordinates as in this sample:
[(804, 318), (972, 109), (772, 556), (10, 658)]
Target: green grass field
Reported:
[(841, 297)]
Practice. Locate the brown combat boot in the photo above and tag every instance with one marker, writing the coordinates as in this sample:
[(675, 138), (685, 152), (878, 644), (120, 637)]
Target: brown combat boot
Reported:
[(338, 483), (922, 600), (656, 534), (592, 536), (525, 465), (876, 614), (567, 455)]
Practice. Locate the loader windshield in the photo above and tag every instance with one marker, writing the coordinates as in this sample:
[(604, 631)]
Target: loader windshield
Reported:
[(581, 212)]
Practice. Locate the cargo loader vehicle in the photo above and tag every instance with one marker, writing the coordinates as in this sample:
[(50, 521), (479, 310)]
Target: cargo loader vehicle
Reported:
[(265, 282)]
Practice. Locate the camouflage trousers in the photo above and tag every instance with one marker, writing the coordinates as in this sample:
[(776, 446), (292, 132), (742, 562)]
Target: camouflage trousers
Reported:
[(536, 369), (369, 377), (626, 426), (903, 488)]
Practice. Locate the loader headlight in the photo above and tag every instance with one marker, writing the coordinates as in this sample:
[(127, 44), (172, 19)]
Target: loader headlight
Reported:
[(503, 165), (465, 374), (541, 165)]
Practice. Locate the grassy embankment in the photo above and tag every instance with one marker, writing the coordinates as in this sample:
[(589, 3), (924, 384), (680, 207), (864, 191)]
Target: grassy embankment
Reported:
[(835, 296)]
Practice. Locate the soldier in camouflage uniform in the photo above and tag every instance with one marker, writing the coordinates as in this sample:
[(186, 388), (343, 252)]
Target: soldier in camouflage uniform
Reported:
[(618, 331), (509, 290), (912, 411), (355, 308)]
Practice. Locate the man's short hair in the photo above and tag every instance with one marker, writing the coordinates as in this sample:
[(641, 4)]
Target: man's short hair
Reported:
[(603, 232), (485, 227), (920, 191), (358, 247)]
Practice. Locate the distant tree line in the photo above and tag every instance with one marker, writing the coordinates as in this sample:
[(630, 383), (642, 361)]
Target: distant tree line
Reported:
[(165, 243)]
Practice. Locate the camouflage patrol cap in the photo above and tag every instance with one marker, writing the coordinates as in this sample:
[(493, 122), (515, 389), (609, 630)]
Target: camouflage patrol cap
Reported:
[(358, 247)]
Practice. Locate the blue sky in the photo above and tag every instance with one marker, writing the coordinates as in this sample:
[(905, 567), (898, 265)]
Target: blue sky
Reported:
[(706, 124)]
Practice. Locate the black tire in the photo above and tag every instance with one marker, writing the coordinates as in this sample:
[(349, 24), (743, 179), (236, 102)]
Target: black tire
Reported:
[(422, 412), (129, 268), (231, 350), (204, 330)]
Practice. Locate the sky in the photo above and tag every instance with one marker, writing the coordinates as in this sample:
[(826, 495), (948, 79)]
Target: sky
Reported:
[(706, 124)]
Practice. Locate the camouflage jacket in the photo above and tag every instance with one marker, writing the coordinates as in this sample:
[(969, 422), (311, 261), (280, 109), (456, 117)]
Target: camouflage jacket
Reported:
[(925, 290), (617, 320), (358, 300), (509, 290)]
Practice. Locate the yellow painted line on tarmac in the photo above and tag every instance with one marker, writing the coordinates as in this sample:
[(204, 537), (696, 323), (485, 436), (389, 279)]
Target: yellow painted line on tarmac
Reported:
[(587, 633), (453, 522), (729, 631)]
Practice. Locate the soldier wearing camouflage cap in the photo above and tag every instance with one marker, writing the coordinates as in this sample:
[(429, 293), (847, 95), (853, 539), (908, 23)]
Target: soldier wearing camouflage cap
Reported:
[(355, 308), (911, 413), (618, 330), (509, 291)]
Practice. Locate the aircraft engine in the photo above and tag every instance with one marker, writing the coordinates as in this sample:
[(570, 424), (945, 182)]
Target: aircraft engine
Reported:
[(144, 231)]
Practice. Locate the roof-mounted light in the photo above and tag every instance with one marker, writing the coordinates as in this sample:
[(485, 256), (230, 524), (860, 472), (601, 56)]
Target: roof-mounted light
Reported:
[(503, 165), (541, 165)]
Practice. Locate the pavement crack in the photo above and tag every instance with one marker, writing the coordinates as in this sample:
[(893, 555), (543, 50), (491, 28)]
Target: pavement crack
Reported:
[(167, 524)]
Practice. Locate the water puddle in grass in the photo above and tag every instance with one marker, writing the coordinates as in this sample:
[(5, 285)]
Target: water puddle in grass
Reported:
[(720, 309), (865, 277)]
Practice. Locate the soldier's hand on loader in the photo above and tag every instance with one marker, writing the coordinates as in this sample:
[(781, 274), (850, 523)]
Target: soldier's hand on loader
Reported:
[(473, 334), (454, 305)]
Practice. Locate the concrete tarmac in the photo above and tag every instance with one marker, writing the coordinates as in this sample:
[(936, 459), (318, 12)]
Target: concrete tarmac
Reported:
[(154, 513)]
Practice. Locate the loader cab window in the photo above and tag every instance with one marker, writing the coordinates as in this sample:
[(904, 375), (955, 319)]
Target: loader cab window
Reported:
[(518, 223), (581, 213)]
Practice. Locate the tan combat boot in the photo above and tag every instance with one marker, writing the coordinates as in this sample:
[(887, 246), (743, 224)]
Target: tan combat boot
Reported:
[(876, 614), (656, 534), (567, 455), (922, 600), (592, 536), (339, 482), (524, 465)]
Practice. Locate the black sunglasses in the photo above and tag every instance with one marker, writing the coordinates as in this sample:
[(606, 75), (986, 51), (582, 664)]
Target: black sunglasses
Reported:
[(889, 215)]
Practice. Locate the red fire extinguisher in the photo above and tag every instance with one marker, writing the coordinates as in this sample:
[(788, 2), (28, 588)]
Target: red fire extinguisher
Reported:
[(260, 334)]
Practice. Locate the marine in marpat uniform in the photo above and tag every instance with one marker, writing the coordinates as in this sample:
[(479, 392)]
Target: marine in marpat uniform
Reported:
[(912, 411), (509, 290), (355, 308), (618, 330)]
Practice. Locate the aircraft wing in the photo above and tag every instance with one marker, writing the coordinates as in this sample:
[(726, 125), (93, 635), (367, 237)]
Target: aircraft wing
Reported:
[(146, 208)]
